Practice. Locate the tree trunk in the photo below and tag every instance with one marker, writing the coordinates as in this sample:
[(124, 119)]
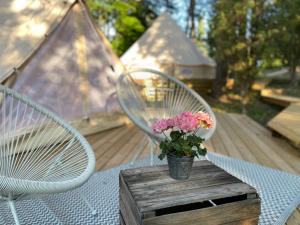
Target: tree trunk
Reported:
[(192, 16), (168, 5), (244, 93), (220, 81), (292, 70)]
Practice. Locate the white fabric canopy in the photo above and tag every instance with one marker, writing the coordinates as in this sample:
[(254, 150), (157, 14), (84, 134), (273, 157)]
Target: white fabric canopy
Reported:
[(24, 24), (72, 71)]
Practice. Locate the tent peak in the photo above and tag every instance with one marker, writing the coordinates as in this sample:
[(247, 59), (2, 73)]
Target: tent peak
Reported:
[(164, 41)]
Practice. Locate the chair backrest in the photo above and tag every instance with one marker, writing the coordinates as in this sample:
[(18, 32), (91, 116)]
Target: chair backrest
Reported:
[(146, 95), (40, 153)]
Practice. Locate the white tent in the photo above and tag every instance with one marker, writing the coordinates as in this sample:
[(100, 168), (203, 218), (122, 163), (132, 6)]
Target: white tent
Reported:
[(24, 25), (165, 47), (52, 53)]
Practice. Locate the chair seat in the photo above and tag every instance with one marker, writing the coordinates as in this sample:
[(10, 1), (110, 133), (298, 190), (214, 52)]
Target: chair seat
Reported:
[(146, 95), (40, 153)]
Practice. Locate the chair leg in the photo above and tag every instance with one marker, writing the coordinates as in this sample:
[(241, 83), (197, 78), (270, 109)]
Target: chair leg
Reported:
[(12, 207), (153, 148), (92, 209), (206, 157), (140, 149), (151, 151)]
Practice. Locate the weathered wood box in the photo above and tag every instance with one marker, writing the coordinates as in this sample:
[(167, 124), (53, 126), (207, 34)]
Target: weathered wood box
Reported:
[(148, 196)]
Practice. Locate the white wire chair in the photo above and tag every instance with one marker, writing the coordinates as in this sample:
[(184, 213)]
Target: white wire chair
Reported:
[(39, 152), (146, 95)]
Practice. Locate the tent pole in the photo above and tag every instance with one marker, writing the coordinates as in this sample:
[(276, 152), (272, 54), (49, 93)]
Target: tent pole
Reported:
[(81, 52)]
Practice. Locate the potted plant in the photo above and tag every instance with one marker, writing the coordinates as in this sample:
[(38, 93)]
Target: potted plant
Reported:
[(181, 144)]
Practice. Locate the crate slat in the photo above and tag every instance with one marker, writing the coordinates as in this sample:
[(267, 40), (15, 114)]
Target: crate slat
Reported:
[(210, 196)]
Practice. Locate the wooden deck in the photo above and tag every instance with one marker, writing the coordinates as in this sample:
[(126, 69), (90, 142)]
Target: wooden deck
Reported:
[(287, 123), (236, 136), (276, 98)]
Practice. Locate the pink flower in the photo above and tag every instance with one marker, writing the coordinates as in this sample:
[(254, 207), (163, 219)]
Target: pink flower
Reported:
[(204, 119), (186, 122), (170, 122), (161, 125)]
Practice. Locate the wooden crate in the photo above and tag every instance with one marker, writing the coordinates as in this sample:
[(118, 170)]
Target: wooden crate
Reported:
[(148, 196)]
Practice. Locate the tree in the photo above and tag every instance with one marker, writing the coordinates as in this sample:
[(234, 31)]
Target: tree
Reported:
[(219, 47), (195, 11), (284, 32), (236, 38), (127, 20), (191, 18)]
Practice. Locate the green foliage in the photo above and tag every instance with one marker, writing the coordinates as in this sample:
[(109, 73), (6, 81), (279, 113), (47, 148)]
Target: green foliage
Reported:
[(200, 40), (248, 36), (256, 108), (237, 39), (129, 19), (181, 144), (284, 32)]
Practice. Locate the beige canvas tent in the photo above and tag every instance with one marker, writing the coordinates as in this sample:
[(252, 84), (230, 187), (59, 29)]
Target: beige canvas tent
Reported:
[(165, 47), (24, 25), (52, 53)]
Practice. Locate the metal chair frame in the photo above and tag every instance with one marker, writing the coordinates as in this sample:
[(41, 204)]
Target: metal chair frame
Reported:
[(194, 102), (31, 161)]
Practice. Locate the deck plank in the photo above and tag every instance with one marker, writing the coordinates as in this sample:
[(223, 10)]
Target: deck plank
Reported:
[(234, 132), (278, 99), (113, 147), (254, 144), (287, 123), (217, 143), (127, 150), (294, 219), (279, 146), (262, 149), (226, 137)]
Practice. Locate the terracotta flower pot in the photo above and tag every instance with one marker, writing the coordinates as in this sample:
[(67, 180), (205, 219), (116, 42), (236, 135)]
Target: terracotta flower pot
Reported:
[(180, 167)]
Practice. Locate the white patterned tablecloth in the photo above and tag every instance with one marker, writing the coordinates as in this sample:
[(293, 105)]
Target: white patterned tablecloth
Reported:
[(97, 201)]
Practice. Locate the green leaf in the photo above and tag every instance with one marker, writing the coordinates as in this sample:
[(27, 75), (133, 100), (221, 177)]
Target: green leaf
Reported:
[(175, 135), (164, 145), (202, 152), (162, 156)]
